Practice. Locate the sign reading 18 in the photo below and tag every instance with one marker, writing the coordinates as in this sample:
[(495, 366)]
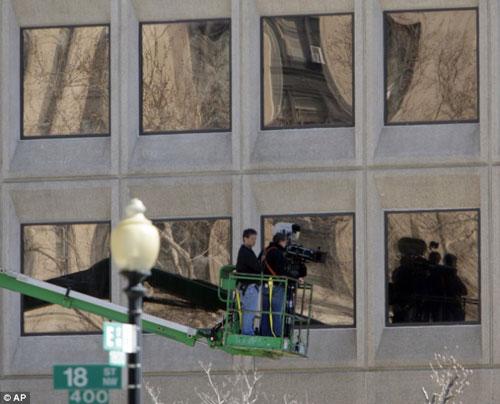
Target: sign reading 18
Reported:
[(76, 377)]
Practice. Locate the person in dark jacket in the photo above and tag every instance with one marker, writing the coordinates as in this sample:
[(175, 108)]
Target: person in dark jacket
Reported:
[(274, 263), (436, 288), (247, 263), (455, 291)]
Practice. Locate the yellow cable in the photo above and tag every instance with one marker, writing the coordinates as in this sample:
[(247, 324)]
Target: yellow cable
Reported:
[(270, 283), (238, 305)]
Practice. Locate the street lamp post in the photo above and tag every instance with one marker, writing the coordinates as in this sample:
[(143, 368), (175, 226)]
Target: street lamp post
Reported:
[(135, 244)]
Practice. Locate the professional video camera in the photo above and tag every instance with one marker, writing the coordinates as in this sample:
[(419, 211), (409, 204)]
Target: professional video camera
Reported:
[(295, 251)]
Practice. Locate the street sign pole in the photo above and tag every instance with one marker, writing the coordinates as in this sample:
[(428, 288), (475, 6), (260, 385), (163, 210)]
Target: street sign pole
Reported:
[(135, 292)]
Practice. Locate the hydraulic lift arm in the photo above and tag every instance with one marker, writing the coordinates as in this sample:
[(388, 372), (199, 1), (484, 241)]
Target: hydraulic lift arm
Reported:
[(50, 293), (225, 336)]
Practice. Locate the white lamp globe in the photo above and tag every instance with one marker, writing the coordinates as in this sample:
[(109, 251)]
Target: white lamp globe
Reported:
[(135, 241)]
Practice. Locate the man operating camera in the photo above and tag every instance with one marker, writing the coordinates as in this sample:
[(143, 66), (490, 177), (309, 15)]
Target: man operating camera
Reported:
[(283, 257)]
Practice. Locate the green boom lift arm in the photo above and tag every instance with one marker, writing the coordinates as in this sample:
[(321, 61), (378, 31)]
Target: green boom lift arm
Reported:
[(50, 293), (225, 336)]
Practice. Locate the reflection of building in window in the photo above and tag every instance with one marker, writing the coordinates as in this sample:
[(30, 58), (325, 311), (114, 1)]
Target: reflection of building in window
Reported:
[(433, 266), (65, 81), (431, 66), (74, 256), (333, 293), (186, 76), (307, 71), (184, 282)]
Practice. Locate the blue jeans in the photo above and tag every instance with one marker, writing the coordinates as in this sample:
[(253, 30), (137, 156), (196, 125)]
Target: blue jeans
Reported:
[(249, 306), (277, 305)]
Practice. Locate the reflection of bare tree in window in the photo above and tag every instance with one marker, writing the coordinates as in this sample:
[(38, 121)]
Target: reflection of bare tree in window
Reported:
[(402, 51), (191, 248), (333, 297), (431, 66), (68, 255), (180, 259), (194, 249), (338, 44), (66, 81), (457, 233), (185, 76), (56, 87), (219, 247), (94, 112)]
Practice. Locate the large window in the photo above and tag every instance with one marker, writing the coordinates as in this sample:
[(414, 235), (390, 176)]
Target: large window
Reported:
[(431, 66), (74, 256), (432, 261), (334, 281), (185, 76), (307, 71), (65, 81), (184, 283)]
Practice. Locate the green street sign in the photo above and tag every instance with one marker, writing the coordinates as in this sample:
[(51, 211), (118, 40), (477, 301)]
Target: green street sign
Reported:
[(88, 397), (119, 337), (82, 377)]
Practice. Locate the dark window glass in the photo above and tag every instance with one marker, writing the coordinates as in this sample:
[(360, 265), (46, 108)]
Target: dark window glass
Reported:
[(186, 83), (333, 290), (73, 256), (65, 81), (431, 62), (183, 286), (433, 266), (307, 72)]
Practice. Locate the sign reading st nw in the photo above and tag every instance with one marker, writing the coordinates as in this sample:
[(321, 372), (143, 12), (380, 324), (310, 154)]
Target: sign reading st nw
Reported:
[(73, 377)]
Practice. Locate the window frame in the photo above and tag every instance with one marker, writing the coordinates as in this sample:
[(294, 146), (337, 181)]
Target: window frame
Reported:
[(333, 214), (263, 127), (386, 269), (142, 132), (385, 52), (22, 271), (21, 75)]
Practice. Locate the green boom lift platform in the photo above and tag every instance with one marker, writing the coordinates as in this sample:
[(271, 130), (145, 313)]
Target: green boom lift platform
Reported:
[(225, 336)]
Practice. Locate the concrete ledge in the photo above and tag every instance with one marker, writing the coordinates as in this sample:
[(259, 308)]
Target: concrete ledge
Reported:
[(325, 147), (61, 12), (171, 153)]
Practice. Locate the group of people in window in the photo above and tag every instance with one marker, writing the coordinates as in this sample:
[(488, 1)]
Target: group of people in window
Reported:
[(426, 288)]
